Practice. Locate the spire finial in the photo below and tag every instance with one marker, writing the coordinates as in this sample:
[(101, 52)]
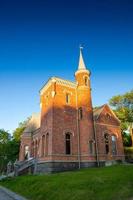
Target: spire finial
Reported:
[(81, 61), (80, 47)]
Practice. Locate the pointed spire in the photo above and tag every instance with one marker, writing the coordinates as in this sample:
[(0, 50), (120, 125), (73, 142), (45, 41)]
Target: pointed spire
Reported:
[(81, 65)]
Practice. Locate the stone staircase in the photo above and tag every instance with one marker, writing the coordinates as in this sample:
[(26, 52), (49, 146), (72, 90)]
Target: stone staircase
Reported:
[(25, 167)]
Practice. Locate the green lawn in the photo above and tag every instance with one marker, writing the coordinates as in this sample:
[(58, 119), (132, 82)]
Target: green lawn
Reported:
[(107, 183)]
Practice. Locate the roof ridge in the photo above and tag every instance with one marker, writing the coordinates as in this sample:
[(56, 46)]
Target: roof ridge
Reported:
[(56, 77)]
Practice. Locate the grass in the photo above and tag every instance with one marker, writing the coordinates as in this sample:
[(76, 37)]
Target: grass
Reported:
[(107, 183)]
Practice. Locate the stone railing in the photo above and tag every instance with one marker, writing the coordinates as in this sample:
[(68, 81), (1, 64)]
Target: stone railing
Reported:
[(24, 167)]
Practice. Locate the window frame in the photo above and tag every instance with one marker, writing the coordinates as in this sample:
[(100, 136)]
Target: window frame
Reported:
[(26, 152), (68, 98), (43, 146), (106, 143), (86, 81), (47, 144), (114, 145), (80, 113), (91, 147), (68, 152)]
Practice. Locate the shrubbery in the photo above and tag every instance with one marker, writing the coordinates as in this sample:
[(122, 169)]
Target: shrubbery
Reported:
[(129, 154)]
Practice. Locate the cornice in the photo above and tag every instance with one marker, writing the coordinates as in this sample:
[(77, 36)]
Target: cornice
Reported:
[(59, 81)]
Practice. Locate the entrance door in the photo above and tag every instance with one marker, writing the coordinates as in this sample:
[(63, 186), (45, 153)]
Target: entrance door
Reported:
[(27, 152)]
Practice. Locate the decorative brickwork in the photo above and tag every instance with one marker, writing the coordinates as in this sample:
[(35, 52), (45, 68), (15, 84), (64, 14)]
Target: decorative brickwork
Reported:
[(70, 133)]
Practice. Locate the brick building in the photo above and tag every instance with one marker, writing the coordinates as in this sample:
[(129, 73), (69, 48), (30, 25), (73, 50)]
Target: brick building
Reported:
[(68, 133)]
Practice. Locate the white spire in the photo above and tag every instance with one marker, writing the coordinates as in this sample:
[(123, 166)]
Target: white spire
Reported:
[(81, 61)]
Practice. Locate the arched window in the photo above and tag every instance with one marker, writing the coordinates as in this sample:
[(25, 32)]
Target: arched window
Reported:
[(80, 112), (86, 81), (36, 148), (26, 152), (68, 143), (91, 146), (43, 145), (114, 148), (47, 100), (32, 149), (67, 98), (106, 139), (108, 116), (47, 145)]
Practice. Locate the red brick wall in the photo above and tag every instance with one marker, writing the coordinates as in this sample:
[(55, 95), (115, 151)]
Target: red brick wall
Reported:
[(64, 120), (86, 125), (59, 117), (110, 125), (25, 141)]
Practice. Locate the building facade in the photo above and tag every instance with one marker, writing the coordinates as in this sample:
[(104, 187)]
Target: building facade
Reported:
[(68, 133)]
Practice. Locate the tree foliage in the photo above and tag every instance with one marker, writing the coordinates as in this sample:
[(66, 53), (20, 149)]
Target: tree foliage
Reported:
[(4, 151), (19, 130), (9, 145), (123, 107)]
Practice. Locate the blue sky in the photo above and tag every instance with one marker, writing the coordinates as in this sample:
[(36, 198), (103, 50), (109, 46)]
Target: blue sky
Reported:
[(41, 38)]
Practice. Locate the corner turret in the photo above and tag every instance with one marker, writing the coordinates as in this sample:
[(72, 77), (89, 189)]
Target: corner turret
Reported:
[(82, 75)]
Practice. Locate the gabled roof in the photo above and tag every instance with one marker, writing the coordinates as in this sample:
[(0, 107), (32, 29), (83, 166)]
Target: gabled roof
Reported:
[(59, 81), (98, 111), (32, 125)]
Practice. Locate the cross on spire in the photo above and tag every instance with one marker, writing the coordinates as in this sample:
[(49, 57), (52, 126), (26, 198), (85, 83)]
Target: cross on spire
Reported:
[(81, 65), (81, 47)]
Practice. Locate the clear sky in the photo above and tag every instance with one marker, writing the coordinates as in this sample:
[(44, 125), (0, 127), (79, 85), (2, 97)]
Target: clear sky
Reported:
[(41, 38)]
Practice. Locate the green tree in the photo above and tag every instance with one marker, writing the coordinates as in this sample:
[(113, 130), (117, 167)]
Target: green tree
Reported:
[(5, 137), (19, 130), (9, 146), (123, 107), (13, 150), (17, 133)]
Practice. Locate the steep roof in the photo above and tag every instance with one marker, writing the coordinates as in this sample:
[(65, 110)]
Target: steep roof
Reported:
[(81, 65), (98, 111), (32, 125)]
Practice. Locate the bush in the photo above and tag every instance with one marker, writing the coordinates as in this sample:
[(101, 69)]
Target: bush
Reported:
[(128, 154)]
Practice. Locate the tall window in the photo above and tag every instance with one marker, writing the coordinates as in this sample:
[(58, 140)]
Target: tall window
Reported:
[(43, 145), (46, 100), (47, 145), (36, 148), (67, 98), (68, 143), (27, 152), (86, 81), (106, 139), (114, 149), (80, 112), (91, 147), (32, 149)]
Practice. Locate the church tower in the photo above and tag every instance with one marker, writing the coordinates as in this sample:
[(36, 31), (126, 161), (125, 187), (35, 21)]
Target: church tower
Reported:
[(65, 138), (85, 112)]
